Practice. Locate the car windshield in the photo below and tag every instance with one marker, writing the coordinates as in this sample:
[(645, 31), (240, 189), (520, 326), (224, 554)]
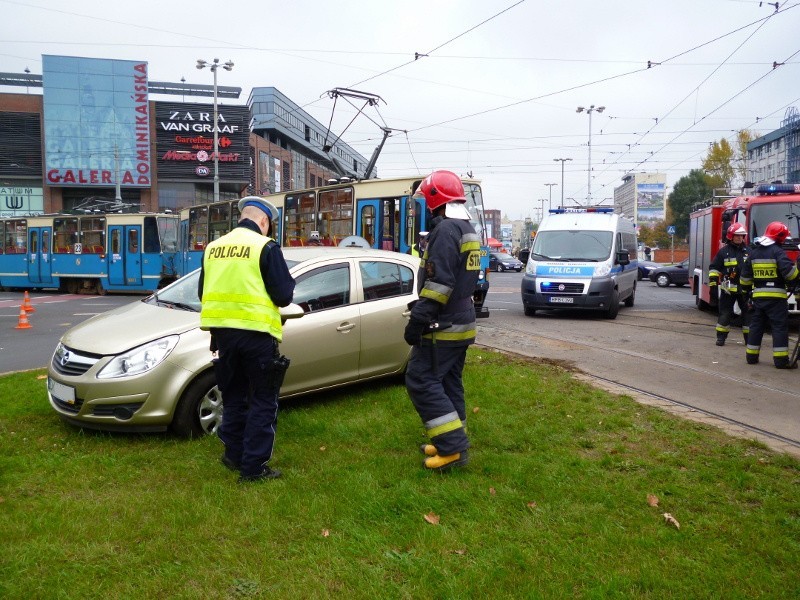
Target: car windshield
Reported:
[(576, 245)]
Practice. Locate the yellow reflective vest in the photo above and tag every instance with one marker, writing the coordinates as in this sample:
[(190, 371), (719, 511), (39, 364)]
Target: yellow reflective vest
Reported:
[(233, 290)]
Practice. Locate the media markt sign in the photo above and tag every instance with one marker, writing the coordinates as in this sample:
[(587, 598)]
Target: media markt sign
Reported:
[(21, 201)]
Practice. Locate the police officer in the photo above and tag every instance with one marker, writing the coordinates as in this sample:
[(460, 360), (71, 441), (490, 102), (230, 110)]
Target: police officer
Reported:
[(418, 249), (767, 270), (243, 281), (725, 270), (442, 322)]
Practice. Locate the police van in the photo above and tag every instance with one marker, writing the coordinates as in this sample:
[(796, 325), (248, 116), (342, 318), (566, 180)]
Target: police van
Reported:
[(581, 259)]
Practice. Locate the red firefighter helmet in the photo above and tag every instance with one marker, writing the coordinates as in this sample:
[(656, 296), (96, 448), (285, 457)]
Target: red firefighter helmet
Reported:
[(777, 232), (735, 229), (441, 187)]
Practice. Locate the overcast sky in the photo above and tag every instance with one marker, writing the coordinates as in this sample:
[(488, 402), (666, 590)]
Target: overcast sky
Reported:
[(495, 94)]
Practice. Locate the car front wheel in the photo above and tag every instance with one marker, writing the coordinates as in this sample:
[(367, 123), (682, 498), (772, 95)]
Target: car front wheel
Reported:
[(662, 280), (199, 411)]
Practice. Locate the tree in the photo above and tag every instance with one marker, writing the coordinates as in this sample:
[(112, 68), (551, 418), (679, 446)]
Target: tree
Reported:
[(690, 191), (727, 162)]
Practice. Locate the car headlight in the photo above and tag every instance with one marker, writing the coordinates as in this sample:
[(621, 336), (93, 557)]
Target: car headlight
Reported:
[(139, 360), (530, 270), (602, 270)]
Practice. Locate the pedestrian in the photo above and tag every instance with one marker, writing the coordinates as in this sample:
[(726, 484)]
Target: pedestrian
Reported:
[(725, 270), (442, 322), (243, 280), (648, 253), (767, 271)]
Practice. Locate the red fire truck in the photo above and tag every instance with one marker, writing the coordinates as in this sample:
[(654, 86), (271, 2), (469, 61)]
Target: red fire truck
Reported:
[(707, 228)]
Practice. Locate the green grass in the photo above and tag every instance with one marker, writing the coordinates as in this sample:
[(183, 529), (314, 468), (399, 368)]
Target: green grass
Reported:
[(552, 505)]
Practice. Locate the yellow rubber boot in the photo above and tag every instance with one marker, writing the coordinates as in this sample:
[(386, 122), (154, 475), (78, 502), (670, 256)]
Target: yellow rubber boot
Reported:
[(443, 463), (428, 449)]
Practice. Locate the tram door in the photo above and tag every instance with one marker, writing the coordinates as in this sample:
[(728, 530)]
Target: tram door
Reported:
[(40, 254), (378, 222), (125, 258)]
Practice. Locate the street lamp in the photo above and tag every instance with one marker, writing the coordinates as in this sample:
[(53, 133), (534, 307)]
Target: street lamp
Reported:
[(563, 160), (228, 66), (541, 208), (550, 201), (589, 112)]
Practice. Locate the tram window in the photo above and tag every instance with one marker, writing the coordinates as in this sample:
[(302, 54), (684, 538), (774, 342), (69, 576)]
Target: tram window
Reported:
[(65, 235), (335, 215), (391, 221), (4, 237), (115, 245), (150, 235), (133, 240), (45, 242), (34, 245), (93, 235), (168, 233), (16, 236), (298, 218), (198, 228), (368, 224), (219, 220)]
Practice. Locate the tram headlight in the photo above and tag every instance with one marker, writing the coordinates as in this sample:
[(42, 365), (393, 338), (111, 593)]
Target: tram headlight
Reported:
[(139, 360)]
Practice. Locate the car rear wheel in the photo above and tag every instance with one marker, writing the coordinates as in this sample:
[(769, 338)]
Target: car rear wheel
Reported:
[(199, 411), (662, 280)]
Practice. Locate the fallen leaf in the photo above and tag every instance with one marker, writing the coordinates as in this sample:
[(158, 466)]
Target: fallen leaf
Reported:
[(41, 377), (492, 491), (326, 532), (432, 518), (531, 504), (652, 500), (460, 552), (322, 448), (476, 409), (671, 520)]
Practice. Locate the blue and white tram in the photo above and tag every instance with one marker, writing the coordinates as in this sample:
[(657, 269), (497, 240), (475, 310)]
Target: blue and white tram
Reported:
[(93, 253)]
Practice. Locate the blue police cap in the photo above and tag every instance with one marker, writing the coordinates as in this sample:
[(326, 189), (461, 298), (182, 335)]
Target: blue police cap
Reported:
[(263, 205)]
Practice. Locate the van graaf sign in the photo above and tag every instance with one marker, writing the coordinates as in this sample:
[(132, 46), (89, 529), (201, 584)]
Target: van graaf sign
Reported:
[(21, 201), (185, 139)]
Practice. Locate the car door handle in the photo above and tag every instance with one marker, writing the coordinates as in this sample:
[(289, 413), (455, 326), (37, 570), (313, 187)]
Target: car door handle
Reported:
[(345, 327), (406, 313)]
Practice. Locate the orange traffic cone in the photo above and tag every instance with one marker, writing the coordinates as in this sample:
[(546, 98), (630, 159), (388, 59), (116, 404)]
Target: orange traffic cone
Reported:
[(23, 319), (26, 303)]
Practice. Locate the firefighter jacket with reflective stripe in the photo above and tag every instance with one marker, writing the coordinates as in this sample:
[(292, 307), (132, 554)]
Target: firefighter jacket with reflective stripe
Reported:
[(234, 295), (767, 271), (727, 267), (450, 267)]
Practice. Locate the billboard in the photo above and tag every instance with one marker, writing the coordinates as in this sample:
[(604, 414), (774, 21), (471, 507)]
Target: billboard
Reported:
[(96, 122), (185, 142), (18, 201), (650, 202)]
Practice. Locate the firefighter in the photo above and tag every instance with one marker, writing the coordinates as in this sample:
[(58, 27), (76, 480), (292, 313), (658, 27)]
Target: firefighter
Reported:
[(442, 322), (725, 270), (767, 271)]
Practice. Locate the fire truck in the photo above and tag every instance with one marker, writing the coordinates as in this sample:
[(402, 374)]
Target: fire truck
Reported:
[(708, 225)]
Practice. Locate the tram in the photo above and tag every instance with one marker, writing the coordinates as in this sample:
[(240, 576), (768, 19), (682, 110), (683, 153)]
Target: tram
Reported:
[(93, 253), (382, 211)]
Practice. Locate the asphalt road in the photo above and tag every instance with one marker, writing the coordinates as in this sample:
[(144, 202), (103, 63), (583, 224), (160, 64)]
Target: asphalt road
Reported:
[(660, 351)]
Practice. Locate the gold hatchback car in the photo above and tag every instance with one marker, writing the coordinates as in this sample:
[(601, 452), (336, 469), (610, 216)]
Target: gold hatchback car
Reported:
[(147, 366)]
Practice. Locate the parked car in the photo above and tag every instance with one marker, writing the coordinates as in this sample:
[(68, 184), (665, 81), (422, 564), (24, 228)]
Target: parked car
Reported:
[(147, 366), (665, 275), (645, 266), (501, 261)]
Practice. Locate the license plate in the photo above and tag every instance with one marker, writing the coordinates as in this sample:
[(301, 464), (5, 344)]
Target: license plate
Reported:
[(63, 392), (561, 299)]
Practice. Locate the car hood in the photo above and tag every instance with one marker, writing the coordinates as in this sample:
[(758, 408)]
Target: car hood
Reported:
[(128, 326)]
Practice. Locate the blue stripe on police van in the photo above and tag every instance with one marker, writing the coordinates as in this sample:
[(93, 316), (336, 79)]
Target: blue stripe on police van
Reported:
[(564, 271)]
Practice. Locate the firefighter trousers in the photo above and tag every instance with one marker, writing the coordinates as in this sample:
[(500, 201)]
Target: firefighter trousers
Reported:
[(774, 311), (726, 314), (434, 384)]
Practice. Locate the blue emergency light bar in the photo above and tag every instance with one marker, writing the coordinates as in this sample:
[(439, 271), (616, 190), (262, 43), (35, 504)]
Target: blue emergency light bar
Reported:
[(769, 189), (586, 209)]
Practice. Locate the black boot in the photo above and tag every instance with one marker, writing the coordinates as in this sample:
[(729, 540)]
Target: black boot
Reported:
[(721, 337)]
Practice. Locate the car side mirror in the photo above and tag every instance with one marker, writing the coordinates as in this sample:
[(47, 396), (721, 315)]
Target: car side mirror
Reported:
[(293, 311), (623, 258)]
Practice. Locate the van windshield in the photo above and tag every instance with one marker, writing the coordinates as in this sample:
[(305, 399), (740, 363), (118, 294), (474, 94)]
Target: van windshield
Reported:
[(591, 246)]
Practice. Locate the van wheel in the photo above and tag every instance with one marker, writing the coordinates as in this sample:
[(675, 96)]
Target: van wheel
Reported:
[(199, 411), (632, 298), (530, 311), (613, 305)]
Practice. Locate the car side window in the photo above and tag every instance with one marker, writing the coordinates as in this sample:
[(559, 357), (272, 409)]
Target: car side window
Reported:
[(326, 287), (385, 280)]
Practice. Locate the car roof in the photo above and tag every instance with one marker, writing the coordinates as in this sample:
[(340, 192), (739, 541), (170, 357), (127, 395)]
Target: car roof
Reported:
[(301, 254)]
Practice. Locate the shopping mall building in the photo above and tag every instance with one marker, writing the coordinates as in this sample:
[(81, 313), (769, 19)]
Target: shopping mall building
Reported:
[(86, 135)]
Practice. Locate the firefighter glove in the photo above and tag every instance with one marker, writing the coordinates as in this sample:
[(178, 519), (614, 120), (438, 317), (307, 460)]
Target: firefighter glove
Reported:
[(413, 332)]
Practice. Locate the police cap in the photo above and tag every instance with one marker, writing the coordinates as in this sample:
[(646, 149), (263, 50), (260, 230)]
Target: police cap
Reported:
[(263, 205)]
